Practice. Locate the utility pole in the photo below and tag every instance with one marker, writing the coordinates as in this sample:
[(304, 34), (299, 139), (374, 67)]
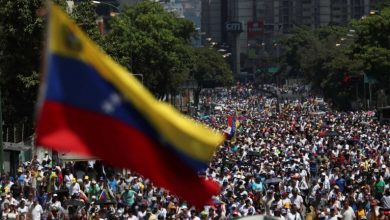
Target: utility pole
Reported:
[(1, 136), (236, 42)]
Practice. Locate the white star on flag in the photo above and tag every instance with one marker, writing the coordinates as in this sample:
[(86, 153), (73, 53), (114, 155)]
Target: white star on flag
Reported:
[(109, 105)]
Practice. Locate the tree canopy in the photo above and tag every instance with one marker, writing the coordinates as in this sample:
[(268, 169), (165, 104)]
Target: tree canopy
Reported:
[(21, 51), (144, 38), (20, 57), (151, 41), (323, 57), (331, 57), (209, 69), (372, 44)]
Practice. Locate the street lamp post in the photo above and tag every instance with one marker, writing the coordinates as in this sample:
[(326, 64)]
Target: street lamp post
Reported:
[(141, 75), (105, 3), (1, 136)]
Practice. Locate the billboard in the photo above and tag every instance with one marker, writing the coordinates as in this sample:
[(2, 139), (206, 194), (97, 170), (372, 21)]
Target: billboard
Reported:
[(255, 29), (233, 26)]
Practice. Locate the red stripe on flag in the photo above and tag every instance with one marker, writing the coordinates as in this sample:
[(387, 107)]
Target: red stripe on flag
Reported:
[(230, 120), (75, 130)]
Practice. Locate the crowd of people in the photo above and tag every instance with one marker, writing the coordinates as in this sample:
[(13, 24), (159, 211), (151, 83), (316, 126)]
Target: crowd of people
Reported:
[(288, 159)]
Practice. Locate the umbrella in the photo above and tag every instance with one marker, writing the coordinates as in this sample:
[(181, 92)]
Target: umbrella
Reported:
[(331, 134), (258, 217), (109, 202), (254, 153), (275, 180), (73, 202), (365, 123)]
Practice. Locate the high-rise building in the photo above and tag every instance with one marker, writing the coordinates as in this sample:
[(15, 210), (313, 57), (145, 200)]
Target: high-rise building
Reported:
[(264, 22), (212, 19)]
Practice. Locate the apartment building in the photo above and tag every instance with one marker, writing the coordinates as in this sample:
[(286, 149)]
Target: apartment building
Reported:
[(264, 22)]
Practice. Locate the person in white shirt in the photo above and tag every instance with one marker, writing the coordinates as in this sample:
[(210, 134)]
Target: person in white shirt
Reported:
[(386, 199), (278, 214), (193, 215), (293, 214), (267, 201), (335, 193), (75, 187), (374, 210), (297, 200), (347, 212), (36, 211), (333, 214), (68, 179), (22, 209), (56, 203), (303, 187), (162, 212)]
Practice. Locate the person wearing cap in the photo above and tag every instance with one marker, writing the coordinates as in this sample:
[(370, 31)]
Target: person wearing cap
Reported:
[(55, 202), (75, 187), (86, 182)]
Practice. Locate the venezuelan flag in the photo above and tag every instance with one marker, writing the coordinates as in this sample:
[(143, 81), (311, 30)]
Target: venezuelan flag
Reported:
[(233, 123), (105, 196), (91, 105)]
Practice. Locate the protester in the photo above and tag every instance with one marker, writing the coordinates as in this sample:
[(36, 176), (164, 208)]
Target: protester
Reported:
[(290, 157)]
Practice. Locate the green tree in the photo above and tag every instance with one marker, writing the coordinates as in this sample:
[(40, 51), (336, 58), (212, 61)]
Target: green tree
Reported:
[(373, 45), (20, 58), (324, 56), (151, 41), (300, 37), (209, 69), (21, 51), (84, 13)]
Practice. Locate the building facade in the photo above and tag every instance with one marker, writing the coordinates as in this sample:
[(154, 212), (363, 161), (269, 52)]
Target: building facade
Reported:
[(264, 22)]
